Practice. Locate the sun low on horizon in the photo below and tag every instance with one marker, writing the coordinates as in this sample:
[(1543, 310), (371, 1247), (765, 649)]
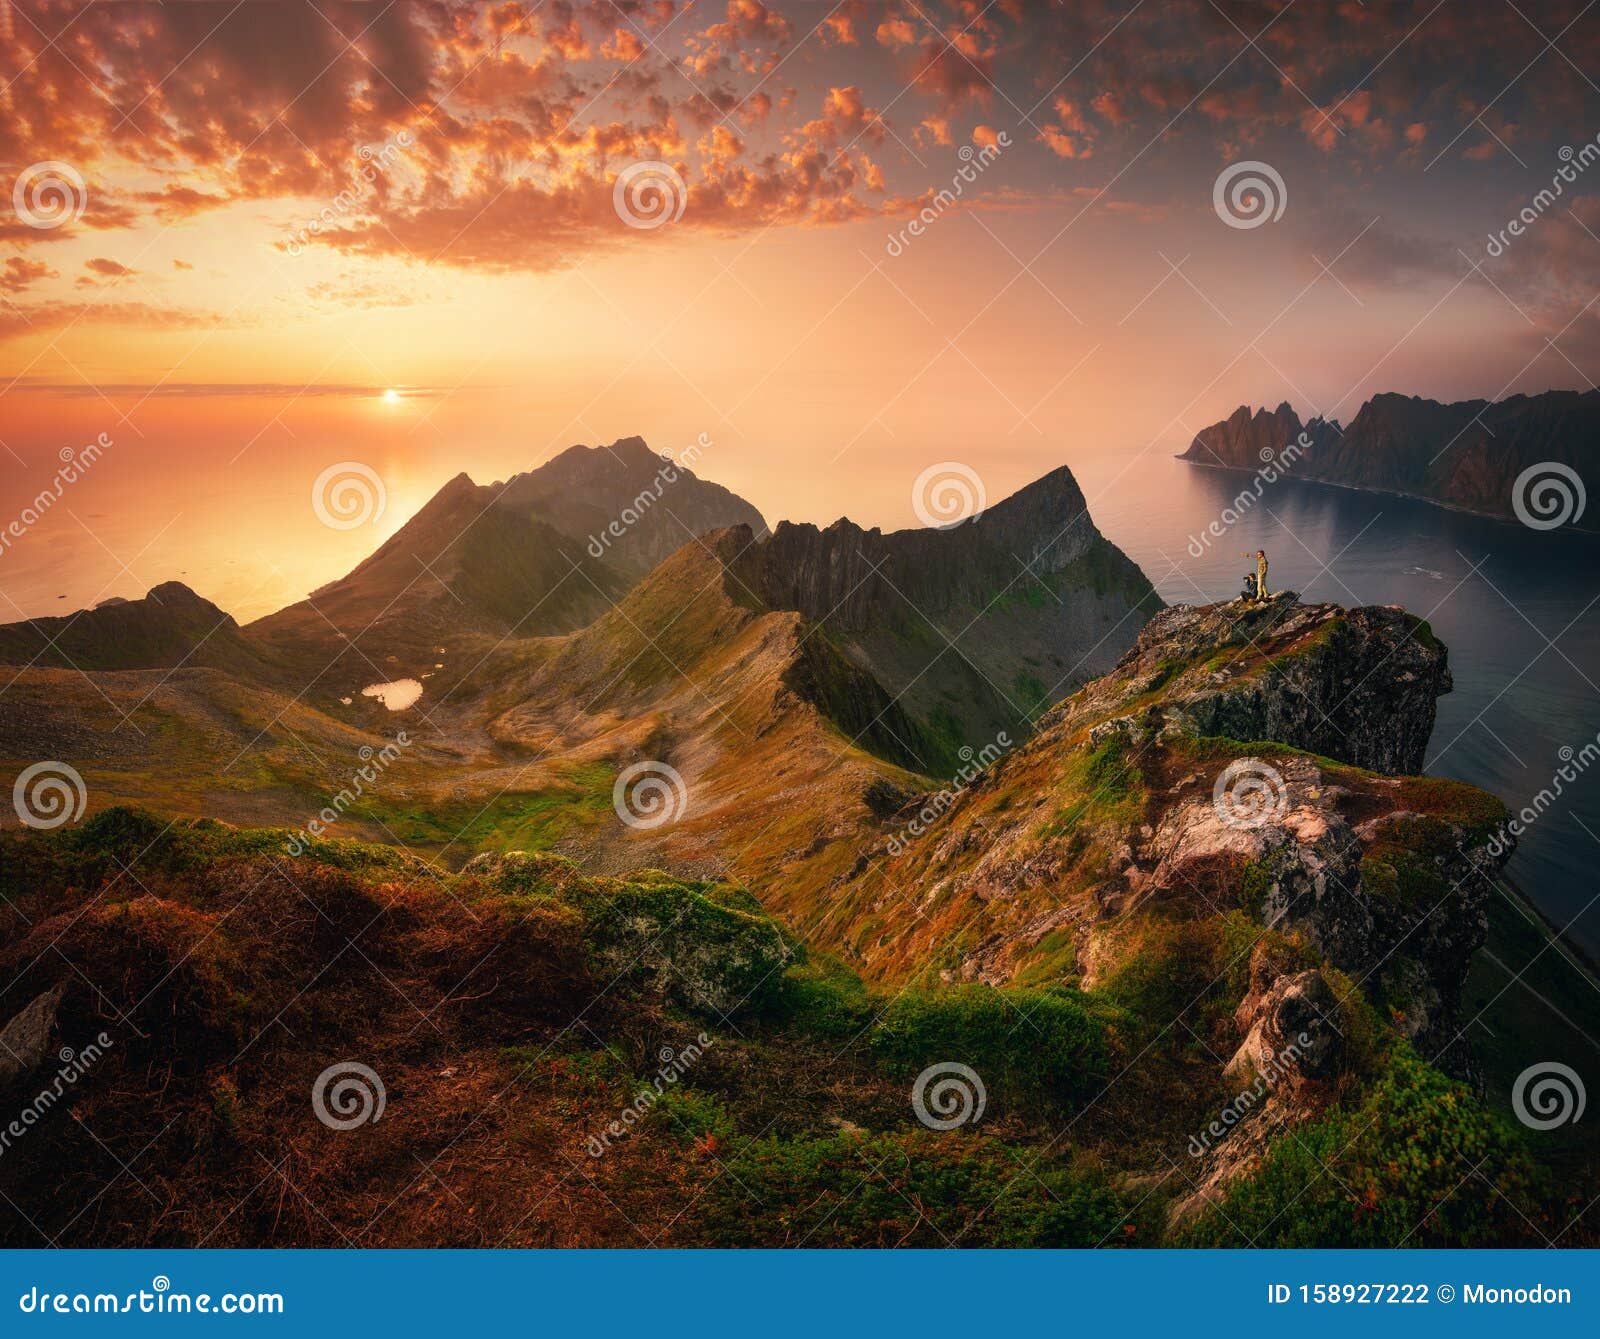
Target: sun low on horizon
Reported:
[(843, 242)]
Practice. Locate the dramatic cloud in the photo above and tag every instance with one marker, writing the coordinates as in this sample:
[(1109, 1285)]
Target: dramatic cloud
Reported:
[(491, 136)]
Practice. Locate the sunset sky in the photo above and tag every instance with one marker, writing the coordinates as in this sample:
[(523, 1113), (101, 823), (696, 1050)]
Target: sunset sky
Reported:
[(161, 281)]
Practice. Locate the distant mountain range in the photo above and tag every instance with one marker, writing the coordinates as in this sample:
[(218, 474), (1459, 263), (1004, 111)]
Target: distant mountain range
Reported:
[(170, 626), (1468, 455), (606, 605), (510, 559)]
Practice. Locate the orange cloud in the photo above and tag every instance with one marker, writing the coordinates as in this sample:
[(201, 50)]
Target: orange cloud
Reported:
[(624, 44), (1109, 105), (110, 269), (18, 273), (896, 33)]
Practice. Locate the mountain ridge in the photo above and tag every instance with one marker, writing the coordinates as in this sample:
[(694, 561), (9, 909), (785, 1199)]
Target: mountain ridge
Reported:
[(967, 632), (510, 559), (169, 626), (1479, 456), (584, 489), (1089, 926), (981, 625)]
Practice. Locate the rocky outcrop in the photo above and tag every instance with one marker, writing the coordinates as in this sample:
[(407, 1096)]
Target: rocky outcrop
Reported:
[(1289, 1025), (1243, 760), (1358, 685), (1299, 865), (1468, 454), (1292, 1048), (1299, 849), (1242, 757), (26, 1038)]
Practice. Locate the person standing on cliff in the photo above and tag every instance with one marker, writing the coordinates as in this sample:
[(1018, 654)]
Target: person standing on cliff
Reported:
[(1261, 573)]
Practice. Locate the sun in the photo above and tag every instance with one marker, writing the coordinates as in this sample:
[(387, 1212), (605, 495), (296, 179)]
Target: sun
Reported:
[(391, 396)]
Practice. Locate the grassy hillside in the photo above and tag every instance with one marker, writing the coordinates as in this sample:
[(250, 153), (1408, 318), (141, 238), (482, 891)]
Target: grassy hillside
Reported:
[(513, 1012)]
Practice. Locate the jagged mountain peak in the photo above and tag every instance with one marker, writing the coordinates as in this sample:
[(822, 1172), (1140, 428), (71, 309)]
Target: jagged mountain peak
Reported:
[(861, 578), (1466, 454), (627, 501), (980, 625)]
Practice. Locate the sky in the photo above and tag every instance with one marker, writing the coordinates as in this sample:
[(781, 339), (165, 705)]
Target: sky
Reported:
[(247, 244)]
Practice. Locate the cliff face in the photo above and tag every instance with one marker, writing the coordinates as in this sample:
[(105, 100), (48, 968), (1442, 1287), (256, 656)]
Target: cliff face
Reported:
[(1231, 796), (860, 579), (1467, 455), (1356, 685), (980, 626), (1248, 441)]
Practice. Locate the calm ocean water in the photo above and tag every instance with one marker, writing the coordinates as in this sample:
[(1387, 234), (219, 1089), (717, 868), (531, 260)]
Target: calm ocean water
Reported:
[(1519, 610)]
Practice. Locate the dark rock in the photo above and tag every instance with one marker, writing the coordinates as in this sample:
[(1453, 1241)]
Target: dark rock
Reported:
[(1467, 455), (980, 625), (1290, 1027), (1357, 685), (26, 1038)]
